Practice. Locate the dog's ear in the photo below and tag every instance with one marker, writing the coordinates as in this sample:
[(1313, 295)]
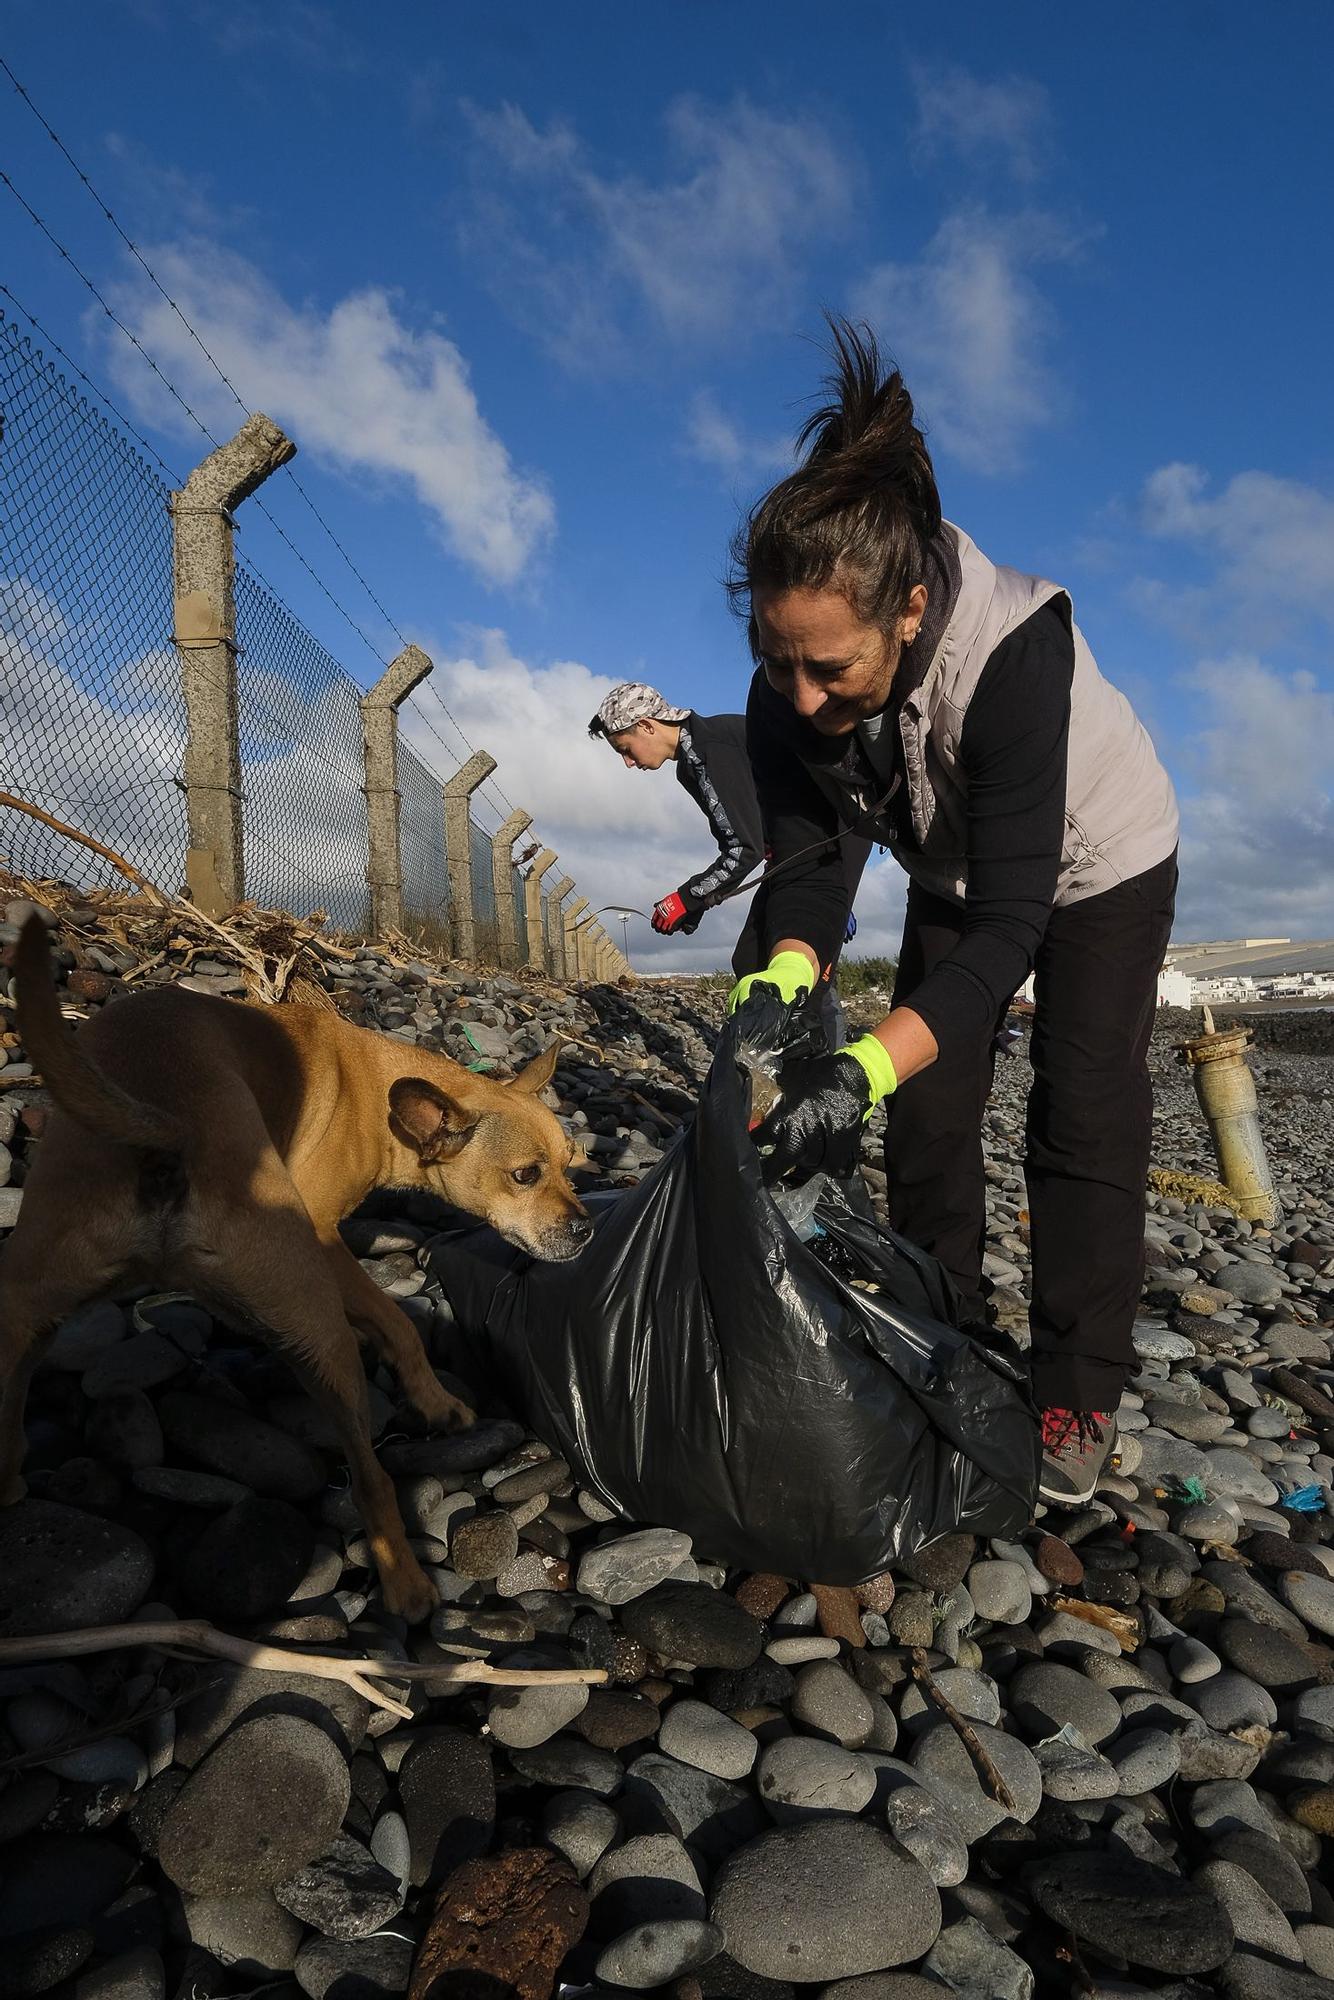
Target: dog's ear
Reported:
[(422, 1117), (537, 1074)]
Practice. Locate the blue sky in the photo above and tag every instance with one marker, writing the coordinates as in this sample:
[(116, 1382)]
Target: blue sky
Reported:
[(535, 291)]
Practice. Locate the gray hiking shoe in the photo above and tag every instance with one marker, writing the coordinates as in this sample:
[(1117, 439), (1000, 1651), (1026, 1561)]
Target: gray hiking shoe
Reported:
[(1076, 1445)]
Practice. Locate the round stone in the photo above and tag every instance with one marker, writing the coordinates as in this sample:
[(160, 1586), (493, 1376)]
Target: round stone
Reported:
[(1230, 1700), (1192, 1661), (691, 1622), (1257, 1921), (801, 1776), (1265, 1656), (970, 1961), (267, 1800), (713, 1814), (828, 1701), (1312, 1598), (1253, 1283), (520, 1717), (567, 1762), (1000, 1592), (796, 1651), (943, 1763), (615, 1572), (1129, 1909), (373, 1968), (60, 1569), (824, 1901), (941, 1564), (701, 1735), (482, 1545), (1145, 1760), (252, 1936), (1045, 1696), (654, 1953), (649, 1878), (581, 1828), (343, 1893), (930, 1833), (1058, 1562), (447, 1792)]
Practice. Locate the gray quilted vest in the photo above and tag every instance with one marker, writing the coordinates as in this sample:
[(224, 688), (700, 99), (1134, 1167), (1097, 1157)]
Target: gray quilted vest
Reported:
[(1120, 808)]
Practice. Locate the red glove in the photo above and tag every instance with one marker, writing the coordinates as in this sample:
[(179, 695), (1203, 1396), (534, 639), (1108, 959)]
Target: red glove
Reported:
[(669, 914)]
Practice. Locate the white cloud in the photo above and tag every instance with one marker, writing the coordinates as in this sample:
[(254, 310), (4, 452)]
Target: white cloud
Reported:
[(590, 255), (1258, 808), (983, 119), (716, 439), (972, 331), (359, 388), (1274, 537)]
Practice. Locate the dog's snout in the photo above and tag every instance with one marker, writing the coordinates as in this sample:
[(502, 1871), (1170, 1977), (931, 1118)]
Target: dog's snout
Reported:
[(581, 1228)]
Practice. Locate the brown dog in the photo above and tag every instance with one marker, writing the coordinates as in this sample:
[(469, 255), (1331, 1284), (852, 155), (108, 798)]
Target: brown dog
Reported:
[(214, 1147)]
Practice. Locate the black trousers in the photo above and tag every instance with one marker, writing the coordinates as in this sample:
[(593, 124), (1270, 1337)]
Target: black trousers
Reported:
[(1088, 1131)]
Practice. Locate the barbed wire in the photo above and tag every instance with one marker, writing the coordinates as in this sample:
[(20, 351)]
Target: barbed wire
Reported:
[(221, 373)]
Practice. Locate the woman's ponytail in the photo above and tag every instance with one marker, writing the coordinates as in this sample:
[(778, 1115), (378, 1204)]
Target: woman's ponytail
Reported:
[(862, 505)]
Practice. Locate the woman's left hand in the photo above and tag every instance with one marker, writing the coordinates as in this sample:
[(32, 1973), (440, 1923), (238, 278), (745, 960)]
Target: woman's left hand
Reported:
[(816, 1125)]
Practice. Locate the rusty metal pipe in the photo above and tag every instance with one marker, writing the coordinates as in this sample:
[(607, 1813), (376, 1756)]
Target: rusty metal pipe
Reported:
[(1226, 1090)]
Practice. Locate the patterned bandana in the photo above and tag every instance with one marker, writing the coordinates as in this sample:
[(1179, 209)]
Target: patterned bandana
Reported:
[(635, 701)]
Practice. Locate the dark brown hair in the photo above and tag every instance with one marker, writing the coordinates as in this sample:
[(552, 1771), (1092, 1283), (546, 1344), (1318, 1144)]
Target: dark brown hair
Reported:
[(862, 505)]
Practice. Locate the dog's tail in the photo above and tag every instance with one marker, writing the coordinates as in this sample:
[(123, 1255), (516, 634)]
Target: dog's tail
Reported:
[(78, 1086)]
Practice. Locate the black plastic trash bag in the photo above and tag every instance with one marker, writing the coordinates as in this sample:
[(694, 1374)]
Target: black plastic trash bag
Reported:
[(702, 1368)]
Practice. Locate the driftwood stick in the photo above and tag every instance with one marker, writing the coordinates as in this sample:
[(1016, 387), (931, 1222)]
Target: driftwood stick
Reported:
[(964, 1729), (127, 868), (197, 1636)]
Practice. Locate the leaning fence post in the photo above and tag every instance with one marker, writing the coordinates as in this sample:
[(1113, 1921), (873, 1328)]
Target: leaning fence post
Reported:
[(571, 936), (458, 850), (560, 890), (532, 895), (203, 563), (502, 884), (379, 737), (583, 946)]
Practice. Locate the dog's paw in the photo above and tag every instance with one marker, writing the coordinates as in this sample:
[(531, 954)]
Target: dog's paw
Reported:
[(409, 1593), (458, 1417)]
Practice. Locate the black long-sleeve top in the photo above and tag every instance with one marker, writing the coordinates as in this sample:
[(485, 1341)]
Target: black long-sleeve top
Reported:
[(712, 766), (1012, 751)]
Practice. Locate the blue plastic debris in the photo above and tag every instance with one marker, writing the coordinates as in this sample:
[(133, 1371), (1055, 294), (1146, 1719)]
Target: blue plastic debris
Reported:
[(1304, 1500)]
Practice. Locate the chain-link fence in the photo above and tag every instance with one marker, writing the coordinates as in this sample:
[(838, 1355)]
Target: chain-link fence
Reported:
[(95, 721), (421, 834), (304, 806)]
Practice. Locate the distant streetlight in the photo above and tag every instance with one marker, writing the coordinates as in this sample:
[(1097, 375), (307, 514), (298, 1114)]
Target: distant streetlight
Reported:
[(624, 911)]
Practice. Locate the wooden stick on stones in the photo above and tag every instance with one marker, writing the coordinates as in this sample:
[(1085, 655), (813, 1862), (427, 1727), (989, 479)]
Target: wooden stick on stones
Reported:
[(194, 1635), (972, 1742)]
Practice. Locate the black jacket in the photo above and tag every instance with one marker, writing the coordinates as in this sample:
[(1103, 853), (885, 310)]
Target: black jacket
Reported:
[(713, 767), (814, 788)]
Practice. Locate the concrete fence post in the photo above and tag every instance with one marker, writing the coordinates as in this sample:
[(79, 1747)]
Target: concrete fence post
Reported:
[(458, 850), (577, 946), (502, 884), (558, 892), (379, 737), (204, 630), (532, 894), (571, 937)]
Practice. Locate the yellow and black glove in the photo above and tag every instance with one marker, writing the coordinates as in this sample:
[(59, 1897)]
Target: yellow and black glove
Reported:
[(816, 1125), (789, 971)]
